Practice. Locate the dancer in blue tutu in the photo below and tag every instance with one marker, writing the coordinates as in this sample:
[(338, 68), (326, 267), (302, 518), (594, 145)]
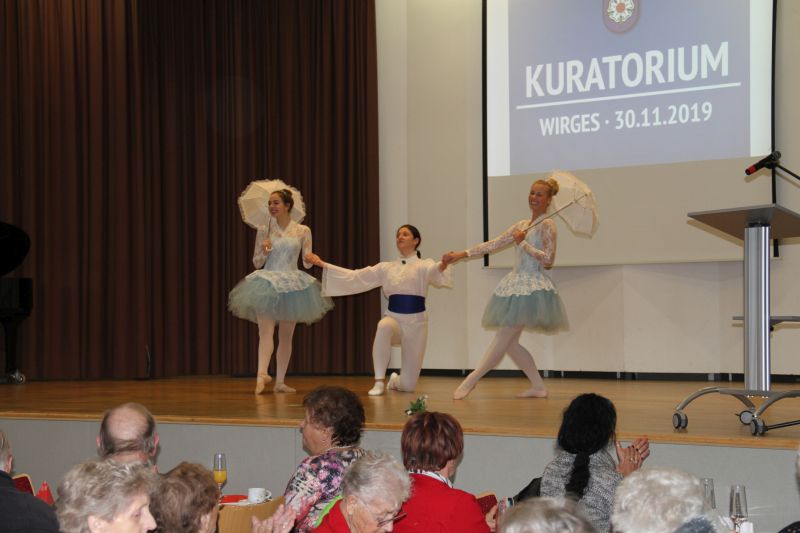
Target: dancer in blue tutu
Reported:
[(277, 292), (526, 298)]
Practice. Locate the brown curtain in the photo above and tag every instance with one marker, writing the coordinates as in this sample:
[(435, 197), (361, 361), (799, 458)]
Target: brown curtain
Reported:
[(127, 131)]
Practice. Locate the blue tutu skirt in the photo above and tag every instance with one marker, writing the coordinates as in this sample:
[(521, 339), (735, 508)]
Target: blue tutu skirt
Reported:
[(290, 296), (541, 310)]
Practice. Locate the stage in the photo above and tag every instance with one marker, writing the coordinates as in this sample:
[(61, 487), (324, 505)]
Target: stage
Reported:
[(508, 441), (643, 407)]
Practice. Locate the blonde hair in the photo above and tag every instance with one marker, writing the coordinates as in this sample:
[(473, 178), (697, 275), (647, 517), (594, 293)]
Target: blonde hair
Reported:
[(550, 183)]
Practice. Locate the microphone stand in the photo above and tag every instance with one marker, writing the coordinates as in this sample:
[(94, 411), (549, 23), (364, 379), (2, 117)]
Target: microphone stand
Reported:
[(772, 167)]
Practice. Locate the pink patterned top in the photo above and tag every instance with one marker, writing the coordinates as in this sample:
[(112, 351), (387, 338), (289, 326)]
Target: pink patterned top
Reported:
[(316, 482)]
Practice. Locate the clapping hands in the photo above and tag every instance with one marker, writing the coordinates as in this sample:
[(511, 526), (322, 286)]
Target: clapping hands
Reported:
[(631, 457)]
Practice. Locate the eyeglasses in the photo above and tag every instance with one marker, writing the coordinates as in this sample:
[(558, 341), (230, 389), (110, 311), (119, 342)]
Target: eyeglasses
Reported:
[(380, 522)]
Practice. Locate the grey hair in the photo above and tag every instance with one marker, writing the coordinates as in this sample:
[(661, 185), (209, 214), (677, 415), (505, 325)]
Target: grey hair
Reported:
[(99, 488), (5, 449), (656, 500), (546, 515), (377, 476)]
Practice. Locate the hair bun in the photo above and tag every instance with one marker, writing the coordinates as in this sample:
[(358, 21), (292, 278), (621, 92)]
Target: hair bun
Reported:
[(553, 183)]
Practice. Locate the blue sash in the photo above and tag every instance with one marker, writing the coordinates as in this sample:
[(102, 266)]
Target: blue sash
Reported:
[(406, 304)]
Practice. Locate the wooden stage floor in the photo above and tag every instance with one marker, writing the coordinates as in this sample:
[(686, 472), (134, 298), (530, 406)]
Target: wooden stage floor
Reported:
[(643, 407)]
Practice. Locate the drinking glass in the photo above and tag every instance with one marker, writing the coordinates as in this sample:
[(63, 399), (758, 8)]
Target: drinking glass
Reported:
[(708, 493), (738, 505), (220, 470)]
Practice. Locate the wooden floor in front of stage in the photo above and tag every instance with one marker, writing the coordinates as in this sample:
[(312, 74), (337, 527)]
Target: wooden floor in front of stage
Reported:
[(643, 407)]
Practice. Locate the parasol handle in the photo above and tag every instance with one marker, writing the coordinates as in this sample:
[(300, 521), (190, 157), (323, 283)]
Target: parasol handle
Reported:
[(554, 213)]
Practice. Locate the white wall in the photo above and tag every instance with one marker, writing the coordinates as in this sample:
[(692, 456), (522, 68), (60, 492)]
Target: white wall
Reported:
[(643, 318)]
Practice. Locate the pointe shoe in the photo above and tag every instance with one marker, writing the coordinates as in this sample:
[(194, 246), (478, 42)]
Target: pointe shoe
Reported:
[(533, 392), (463, 390), (280, 386), (378, 389), (261, 382), (394, 382)]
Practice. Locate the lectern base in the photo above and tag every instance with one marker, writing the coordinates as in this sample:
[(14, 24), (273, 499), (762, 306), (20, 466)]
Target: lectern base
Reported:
[(750, 416)]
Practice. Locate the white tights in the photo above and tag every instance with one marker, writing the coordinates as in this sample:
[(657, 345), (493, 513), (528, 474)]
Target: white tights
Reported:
[(266, 329), (506, 341)]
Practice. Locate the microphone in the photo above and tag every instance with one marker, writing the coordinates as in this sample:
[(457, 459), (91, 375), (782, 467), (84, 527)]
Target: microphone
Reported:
[(771, 159)]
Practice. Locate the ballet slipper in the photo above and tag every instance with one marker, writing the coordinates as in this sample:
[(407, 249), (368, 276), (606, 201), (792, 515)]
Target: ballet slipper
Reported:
[(394, 382), (378, 389), (463, 390), (533, 392), (261, 382), (280, 386)]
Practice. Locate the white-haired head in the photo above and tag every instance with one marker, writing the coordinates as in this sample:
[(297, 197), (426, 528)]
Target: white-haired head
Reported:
[(546, 515), (656, 500)]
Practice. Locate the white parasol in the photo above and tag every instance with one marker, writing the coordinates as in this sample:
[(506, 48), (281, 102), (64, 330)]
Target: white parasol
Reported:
[(253, 202), (575, 204)]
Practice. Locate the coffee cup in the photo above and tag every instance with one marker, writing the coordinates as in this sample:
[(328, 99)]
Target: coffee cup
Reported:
[(256, 495)]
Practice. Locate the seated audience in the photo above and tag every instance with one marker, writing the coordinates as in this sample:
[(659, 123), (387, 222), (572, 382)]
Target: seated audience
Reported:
[(332, 427), (20, 511), (128, 434), (104, 496), (661, 501), (432, 444), (373, 491), (583, 469), (186, 500), (545, 515)]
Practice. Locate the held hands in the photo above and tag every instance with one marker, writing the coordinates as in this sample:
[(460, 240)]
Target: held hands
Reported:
[(314, 259), (631, 457), (519, 236), (452, 257), (281, 522)]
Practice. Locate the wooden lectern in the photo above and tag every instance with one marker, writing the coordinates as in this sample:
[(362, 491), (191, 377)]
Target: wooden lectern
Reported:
[(758, 224)]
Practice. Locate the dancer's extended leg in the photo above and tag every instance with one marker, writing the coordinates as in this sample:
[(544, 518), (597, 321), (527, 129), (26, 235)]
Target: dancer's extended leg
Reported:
[(386, 334), (524, 360), (266, 329), (491, 358), (285, 333), (414, 339)]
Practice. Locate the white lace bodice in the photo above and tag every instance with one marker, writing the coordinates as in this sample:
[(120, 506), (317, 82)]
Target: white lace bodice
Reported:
[(538, 250), (287, 244)]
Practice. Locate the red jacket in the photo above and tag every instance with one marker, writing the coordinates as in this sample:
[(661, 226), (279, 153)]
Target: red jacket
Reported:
[(435, 507), (334, 521)]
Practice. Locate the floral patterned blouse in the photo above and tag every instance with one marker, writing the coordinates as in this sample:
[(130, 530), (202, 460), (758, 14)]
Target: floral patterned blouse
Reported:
[(316, 482)]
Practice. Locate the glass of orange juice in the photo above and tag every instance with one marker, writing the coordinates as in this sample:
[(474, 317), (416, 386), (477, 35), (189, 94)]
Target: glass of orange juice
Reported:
[(220, 470)]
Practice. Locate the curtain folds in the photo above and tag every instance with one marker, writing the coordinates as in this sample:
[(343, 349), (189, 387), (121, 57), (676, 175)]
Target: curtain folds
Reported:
[(127, 131)]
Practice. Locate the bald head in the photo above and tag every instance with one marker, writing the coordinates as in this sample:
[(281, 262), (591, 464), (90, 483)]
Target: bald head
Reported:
[(128, 433)]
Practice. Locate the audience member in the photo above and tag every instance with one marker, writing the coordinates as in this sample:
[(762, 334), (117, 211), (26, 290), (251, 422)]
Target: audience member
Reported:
[(373, 491), (128, 434), (331, 431), (432, 444), (545, 515), (660, 500), (583, 469), (20, 511), (105, 496), (186, 500)]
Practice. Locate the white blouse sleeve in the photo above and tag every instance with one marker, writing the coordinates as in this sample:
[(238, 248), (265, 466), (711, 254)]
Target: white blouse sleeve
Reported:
[(439, 278), (306, 239), (498, 242), (547, 255), (338, 281), (259, 256)]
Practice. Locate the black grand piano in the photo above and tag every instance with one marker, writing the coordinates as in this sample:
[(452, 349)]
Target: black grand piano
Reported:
[(16, 295)]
